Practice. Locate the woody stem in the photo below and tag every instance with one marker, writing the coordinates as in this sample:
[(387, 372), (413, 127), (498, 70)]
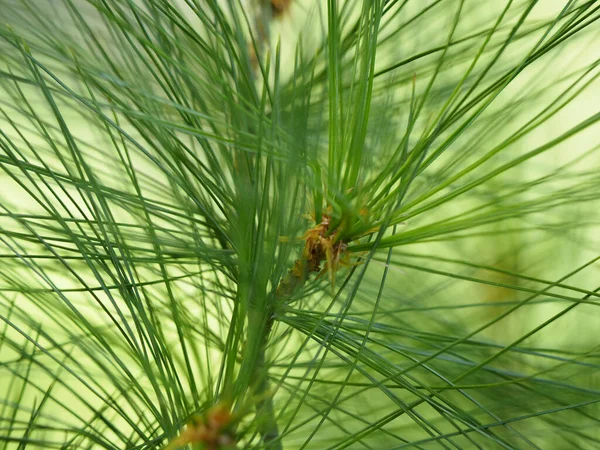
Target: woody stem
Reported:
[(311, 259), (264, 408)]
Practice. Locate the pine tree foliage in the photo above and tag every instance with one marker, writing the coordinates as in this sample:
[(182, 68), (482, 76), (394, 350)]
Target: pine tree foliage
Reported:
[(299, 225)]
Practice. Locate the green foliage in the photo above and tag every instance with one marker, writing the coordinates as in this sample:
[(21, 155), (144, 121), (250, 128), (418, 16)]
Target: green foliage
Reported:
[(174, 175)]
